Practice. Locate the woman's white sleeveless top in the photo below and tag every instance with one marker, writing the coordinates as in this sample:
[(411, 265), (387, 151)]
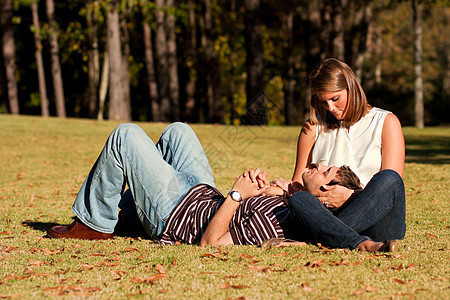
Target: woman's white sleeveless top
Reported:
[(359, 147)]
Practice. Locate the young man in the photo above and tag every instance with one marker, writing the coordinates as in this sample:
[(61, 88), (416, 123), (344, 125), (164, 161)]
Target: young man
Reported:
[(258, 213)]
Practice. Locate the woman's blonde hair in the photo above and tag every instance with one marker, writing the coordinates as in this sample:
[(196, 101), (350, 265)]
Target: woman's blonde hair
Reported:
[(333, 75)]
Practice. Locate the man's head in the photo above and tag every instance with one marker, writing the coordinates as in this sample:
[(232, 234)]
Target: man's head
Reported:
[(319, 175)]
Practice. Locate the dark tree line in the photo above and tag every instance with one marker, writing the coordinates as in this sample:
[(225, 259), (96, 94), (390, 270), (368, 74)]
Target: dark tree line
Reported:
[(237, 61)]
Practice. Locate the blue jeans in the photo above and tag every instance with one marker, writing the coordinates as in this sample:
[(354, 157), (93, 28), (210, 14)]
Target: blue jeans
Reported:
[(377, 213), (158, 176)]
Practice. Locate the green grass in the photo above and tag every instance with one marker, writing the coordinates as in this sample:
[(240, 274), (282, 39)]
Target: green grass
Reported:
[(43, 162)]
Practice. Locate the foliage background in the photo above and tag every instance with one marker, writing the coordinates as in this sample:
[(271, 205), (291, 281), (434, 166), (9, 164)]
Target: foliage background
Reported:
[(391, 21)]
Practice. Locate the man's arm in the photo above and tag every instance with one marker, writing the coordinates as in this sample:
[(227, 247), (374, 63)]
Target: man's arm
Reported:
[(217, 231)]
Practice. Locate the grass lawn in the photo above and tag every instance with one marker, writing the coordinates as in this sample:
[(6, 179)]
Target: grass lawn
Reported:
[(43, 162)]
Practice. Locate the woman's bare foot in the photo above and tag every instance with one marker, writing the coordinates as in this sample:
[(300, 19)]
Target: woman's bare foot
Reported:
[(371, 246)]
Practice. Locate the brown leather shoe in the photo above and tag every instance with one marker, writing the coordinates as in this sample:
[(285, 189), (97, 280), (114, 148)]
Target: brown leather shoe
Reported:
[(77, 230)]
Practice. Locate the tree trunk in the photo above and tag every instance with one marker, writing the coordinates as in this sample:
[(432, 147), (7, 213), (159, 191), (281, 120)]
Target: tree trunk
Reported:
[(191, 63), (338, 43), (215, 107), (161, 62), (256, 102), (56, 67), (150, 64), (103, 89), (289, 69), (174, 90), (125, 66), (9, 49), (39, 60), (418, 83), (232, 57), (315, 19), (116, 92), (360, 46), (93, 56), (446, 82)]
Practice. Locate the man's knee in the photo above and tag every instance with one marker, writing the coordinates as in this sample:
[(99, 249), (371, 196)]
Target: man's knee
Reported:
[(178, 129), (126, 127)]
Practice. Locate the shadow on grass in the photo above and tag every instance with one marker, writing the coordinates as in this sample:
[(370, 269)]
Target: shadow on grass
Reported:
[(40, 226), (120, 231), (428, 149)]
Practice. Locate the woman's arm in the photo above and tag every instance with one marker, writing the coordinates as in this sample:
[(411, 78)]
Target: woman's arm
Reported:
[(217, 231), (305, 145), (392, 145)]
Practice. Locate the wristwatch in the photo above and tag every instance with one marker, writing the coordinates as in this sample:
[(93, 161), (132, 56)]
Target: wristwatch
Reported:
[(236, 196)]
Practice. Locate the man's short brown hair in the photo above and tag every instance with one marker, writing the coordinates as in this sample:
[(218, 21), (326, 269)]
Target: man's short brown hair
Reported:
[(346, 177)]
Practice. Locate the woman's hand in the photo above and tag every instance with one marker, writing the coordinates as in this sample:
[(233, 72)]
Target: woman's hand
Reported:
[(282, 183), (288, 186), (274, 190), (334, 196)]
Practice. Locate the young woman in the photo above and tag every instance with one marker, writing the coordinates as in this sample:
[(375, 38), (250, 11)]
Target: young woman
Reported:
[(344, 129)]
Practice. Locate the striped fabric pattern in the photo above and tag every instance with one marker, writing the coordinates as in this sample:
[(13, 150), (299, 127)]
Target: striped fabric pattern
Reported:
[(255, 221)]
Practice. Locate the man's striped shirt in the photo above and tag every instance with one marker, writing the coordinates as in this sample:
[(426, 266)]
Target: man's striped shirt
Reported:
[(255, 220)]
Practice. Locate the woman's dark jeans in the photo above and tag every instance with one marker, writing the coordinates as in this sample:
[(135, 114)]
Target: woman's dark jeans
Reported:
[(377, 213)]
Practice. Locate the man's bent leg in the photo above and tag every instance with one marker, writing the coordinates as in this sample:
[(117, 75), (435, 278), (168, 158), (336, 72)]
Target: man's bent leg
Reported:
[(129, 156), (181, 148)]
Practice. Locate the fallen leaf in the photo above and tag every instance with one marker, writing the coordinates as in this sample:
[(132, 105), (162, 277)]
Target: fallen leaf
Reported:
[(174, 262), (298, 255), (240, 286), (307, 288), (155, 277), (357, 292), (159, 268), (259, 269), (430, 235), (439, 278), (8, 277), (224, 286), (130, 250), (252, 262), (371, 289), (411, 266), (42, 274), (211, 255), (399, 281), (233, 276), (244, 255), (314, 264), (280, 254)]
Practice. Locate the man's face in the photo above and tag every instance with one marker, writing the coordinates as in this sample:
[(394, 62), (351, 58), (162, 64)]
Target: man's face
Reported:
[(318, 175)]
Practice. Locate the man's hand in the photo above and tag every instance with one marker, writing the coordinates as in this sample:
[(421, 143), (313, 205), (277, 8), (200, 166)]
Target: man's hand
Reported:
[(334, 196), (251, 183)]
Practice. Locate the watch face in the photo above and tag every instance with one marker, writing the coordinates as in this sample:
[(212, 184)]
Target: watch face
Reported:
[(236, 196)]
